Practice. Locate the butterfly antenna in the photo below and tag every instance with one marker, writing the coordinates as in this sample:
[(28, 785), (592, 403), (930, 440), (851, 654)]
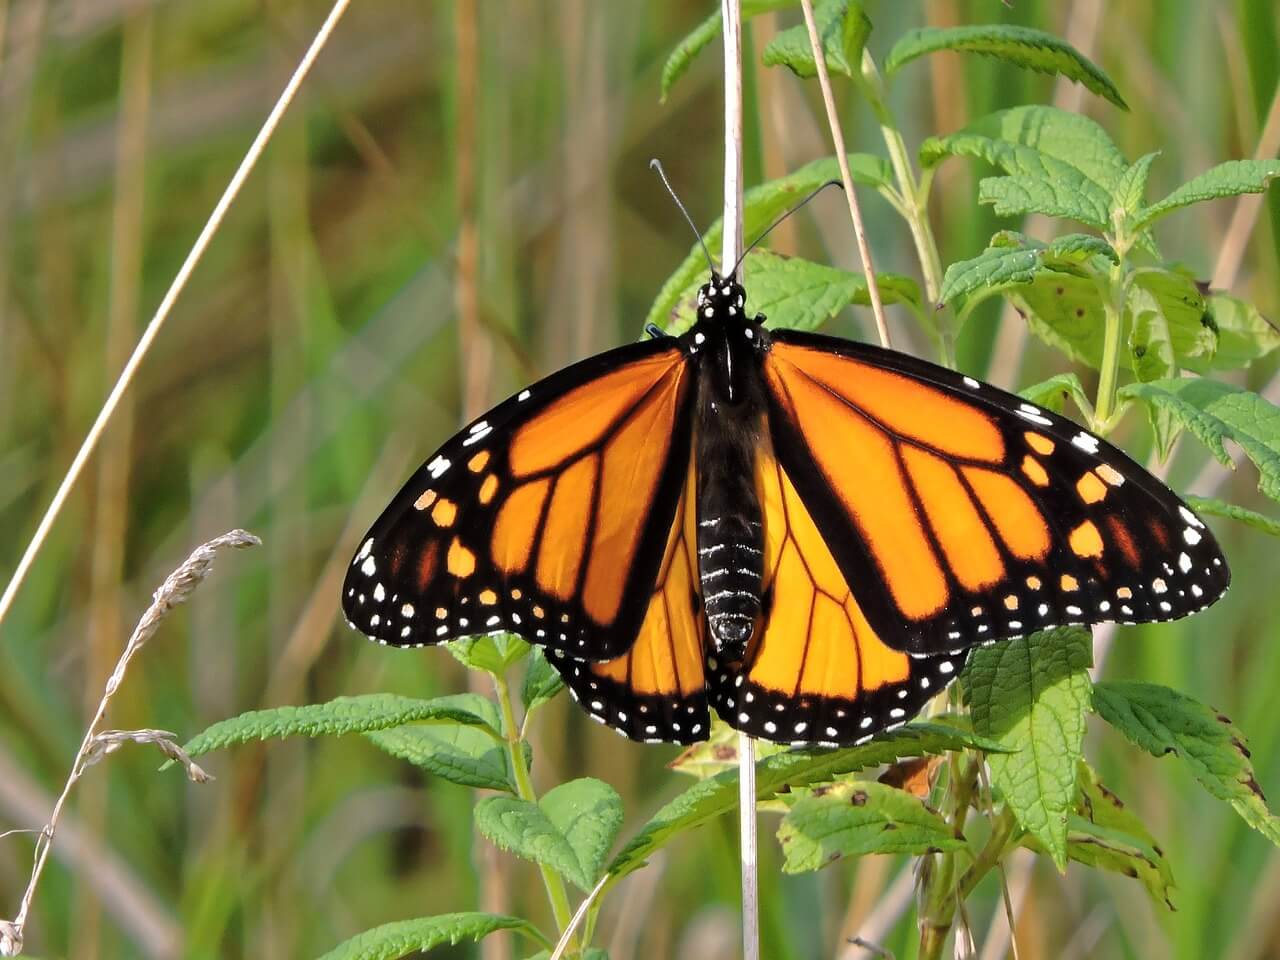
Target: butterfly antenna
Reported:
[(656, 164), (758, 240)]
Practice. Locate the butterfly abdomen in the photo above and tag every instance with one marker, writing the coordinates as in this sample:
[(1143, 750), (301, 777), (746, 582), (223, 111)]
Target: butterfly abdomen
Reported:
[(730, 534)]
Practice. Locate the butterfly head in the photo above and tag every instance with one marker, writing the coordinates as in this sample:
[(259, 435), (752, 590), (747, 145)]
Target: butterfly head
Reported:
[(723, 300)]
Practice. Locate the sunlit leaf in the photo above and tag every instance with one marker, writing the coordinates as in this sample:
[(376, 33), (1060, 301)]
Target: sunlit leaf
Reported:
[(1225, 180), (404, 937), (843, 29)]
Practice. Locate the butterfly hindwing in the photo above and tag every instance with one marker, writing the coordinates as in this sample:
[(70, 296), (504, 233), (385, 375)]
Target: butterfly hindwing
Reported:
[(548, 517), (962, 514), (816, 671), (656, 690)]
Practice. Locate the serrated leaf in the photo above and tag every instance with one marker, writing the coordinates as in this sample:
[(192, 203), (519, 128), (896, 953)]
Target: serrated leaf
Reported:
[(1220, 508), (541, 682), (1012, 260), (687, 50), (1056, 195), (1065, 312), (1030, 695), (710, 798), (1214, 412), (459, 754), (1228, 179), (1053, 392), (851, 819), (761, 206), (1061, 158), (403, 937), (1165, 310), (493, 653), (843, 30), (1133, 185), (342, 715), (1020, 46), (796, 294), (569, 830), (1243, 334), (1163, 721)]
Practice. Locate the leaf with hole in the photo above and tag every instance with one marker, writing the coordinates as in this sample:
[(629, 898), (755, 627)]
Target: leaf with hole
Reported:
[(1020, 46)]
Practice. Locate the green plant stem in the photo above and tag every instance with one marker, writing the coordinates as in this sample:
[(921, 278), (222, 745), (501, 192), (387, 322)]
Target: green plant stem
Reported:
[(556, 894), (1113, 313), (914, 196)]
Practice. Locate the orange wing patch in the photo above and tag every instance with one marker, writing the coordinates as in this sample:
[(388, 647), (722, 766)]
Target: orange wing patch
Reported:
[(656, 690), (816, 671)]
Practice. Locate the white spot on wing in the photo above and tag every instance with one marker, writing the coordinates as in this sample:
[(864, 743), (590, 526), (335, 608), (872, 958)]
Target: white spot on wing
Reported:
[(438, 466), (1086, 442)]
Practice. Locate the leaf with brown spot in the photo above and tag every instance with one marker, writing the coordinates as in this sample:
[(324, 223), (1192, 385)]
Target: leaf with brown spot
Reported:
[(1163, 721)]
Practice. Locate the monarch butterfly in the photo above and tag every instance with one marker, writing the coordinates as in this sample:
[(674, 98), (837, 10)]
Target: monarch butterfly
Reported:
[(803, 532)]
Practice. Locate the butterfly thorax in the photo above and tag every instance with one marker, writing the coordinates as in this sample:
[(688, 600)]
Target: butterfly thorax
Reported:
[(727, 348)]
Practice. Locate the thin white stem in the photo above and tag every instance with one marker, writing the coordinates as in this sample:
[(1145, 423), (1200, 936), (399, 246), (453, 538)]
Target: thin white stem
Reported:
[(563, 944), (166, 305), (842, 158), (175, 590), (731, 248)]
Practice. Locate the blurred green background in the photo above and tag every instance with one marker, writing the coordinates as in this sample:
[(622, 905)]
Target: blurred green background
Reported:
[(461, 201)]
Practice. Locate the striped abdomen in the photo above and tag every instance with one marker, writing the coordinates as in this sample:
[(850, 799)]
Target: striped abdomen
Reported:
[(729, 555)]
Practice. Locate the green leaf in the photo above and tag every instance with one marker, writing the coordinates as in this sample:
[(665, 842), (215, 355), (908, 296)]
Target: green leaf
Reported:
[(718, 752), (1063, 158), (569, 830), (1021, 46), (1056, 195), (1133, 186), (709, 798), (1243, 334), (1012, 260), (761, 206), (1161, 721), (797, 294), (1105, 835), (1215, 412), (687, 49), (1030, 695), (851, 819), (492, 653), (1220, 508), (843, 29), (541, 682), (1065, 312), (1053, 392), (1166, 330), (1228, 179), (403, 937), (459, 754), (374, 711)]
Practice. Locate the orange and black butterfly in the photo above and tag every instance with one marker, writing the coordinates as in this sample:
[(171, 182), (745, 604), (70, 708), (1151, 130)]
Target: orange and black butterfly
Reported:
[(805, 533)]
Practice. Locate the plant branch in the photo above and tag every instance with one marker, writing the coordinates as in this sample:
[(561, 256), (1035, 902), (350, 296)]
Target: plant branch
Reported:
[(556, 894), (149, 335), (175, 591), (846, 179)]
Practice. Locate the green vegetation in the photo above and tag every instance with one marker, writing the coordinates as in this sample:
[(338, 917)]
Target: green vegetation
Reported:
[(461, 202)]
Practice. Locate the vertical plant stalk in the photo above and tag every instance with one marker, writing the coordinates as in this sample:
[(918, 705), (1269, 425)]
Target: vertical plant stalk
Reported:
[(196, 253), (524, 790), (175, 591), (731, 248), (842, 158)]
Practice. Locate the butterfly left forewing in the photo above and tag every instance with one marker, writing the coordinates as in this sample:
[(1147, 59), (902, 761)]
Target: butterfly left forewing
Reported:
[(547, 517), (816, 671), (962, 514)]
